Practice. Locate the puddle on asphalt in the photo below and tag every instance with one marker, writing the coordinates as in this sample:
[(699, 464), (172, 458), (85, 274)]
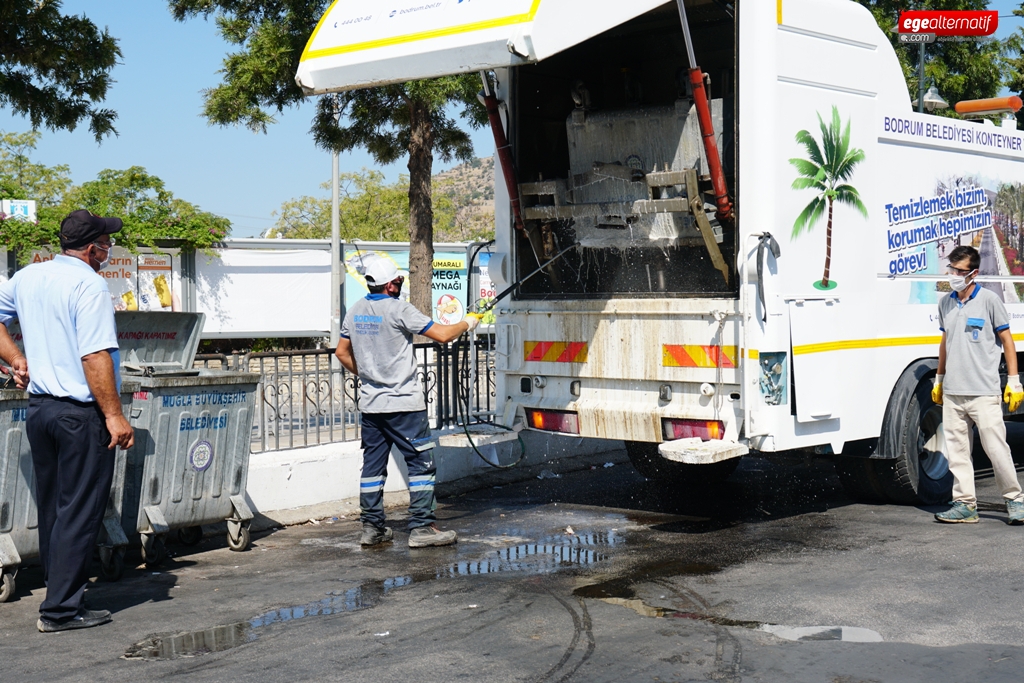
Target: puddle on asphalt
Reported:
[(559, 552), (554, 553), (220, 638), (620, 592)]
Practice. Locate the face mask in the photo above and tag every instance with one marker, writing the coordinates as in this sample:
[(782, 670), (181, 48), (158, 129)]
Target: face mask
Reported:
[(958, 282), (106, 259), (397, 291)]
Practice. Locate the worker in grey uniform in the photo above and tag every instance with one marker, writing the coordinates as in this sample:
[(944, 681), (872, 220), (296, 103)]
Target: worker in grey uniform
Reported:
[(376, 343), (975, 331)]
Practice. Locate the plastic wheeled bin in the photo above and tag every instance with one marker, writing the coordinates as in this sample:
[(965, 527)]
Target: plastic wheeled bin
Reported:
[(19, 514), (193, 430)]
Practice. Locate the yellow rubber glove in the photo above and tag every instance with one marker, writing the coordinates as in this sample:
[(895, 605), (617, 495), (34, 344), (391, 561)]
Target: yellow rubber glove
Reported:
[(473, 319), (937, 390), (1014, 393)]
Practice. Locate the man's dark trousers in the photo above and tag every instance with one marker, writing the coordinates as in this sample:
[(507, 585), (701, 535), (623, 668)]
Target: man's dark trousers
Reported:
[(74, 470), (410, 434)]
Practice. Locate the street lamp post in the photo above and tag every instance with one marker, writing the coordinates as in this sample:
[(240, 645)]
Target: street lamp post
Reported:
[(920, 80), (335, 247)]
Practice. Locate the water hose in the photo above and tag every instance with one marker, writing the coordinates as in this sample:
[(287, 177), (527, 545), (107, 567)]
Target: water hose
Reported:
[(459, 415)]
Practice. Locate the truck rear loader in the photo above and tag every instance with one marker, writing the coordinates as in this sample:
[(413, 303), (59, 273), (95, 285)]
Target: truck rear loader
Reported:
[(782, 299)]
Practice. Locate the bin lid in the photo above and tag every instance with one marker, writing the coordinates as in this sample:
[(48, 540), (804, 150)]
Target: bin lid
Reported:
[(376, 42), (156, 341)]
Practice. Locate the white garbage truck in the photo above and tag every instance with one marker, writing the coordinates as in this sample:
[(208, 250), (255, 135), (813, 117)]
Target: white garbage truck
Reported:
[(781, 297)]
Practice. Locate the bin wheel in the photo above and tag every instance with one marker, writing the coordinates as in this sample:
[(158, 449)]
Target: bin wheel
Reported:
[(190, 535), (7, 587), (112, 563), (241, 541), (153, 550)]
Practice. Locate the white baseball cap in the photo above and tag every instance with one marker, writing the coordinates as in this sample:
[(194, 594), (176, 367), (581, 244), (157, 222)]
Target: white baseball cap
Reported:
[(381, 272)]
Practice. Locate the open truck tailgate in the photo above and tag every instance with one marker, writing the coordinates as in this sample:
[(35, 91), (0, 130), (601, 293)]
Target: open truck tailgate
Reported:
[(376, 42)]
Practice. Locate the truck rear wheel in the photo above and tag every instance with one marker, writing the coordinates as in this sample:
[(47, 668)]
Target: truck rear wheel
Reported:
[(920, 472), (648, 462), (912, 432)]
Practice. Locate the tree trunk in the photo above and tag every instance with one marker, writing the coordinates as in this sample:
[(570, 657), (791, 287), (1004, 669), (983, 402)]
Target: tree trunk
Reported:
[(828, 247), (1020, 236), (421, 213)]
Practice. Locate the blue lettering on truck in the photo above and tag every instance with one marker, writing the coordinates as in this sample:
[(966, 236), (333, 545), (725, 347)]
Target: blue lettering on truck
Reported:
[(207, 398), (192, 424)]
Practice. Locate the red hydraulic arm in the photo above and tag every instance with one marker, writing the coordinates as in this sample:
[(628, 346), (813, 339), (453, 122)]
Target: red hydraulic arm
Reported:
[(504, 149), (707, 128)]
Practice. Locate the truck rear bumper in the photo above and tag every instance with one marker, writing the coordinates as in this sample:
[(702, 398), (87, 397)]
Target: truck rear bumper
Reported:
[(634, 421)]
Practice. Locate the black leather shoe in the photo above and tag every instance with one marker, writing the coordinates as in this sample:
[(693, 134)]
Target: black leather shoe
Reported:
[(84, 619)]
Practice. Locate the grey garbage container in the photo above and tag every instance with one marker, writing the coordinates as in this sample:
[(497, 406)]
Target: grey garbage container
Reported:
[(19, 515), (193, 433)]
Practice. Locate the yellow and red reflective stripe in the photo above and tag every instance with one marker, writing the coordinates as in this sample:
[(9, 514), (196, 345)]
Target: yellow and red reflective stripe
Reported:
[(555, 352), (696, 356)]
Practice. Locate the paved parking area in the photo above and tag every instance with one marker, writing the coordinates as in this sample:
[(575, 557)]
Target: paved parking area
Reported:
[(774, 575)]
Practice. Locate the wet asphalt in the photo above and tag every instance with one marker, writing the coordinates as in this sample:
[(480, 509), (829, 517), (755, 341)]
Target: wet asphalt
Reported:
[(652, 584)]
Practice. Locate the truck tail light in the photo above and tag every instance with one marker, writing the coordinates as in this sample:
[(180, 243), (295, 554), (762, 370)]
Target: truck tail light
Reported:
[(553, 421), (707, 430)]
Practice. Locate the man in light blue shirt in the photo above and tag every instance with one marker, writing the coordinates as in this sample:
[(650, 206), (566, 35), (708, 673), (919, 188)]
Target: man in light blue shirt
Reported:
[(74, 419)]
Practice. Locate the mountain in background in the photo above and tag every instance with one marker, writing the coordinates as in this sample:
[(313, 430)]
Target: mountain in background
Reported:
[(470, 189)]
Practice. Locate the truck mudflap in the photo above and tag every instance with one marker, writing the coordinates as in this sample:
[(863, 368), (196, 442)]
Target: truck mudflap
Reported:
[(695, 451)]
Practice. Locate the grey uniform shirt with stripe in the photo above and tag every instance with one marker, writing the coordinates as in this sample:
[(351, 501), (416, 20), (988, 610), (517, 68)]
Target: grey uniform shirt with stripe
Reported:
[(973, 348), (381, 331)]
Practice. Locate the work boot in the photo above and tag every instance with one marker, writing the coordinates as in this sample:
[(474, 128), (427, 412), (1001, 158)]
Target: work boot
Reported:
[(1015, 510), (84, 619), (375, 535), (960, 513), (424, 536)]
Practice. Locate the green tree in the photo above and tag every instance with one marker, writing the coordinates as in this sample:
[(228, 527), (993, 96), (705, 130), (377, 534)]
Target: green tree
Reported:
[(370, 210), (21, 178), (148, 209), (1010, 202), (826, 170), (1013, 62), (413, 119), (961, 70), (55, 68)]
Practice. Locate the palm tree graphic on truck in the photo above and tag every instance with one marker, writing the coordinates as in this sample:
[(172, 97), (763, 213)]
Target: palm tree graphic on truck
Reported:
[(825, 170)]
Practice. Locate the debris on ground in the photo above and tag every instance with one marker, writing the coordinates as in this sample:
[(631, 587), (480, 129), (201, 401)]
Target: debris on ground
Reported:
[(569, 531), (548, 474)]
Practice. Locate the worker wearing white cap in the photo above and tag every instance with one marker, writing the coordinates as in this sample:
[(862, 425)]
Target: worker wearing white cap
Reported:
[(376, 344)]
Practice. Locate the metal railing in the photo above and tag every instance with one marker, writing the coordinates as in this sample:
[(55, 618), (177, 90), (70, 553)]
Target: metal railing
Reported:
[(303, 401)]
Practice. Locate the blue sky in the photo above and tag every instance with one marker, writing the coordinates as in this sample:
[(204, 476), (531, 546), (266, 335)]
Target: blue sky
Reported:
[(230, 171)]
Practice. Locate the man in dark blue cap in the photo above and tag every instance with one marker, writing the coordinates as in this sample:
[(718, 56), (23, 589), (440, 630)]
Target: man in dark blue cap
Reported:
[(74, 420)]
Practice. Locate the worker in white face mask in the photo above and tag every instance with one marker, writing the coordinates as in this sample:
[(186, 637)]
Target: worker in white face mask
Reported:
[(975, 331)]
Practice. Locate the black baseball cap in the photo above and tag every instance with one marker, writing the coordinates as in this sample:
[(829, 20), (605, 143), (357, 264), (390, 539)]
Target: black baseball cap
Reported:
[(81, 228)]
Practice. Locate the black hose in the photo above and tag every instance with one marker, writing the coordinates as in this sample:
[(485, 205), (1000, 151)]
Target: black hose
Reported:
[(455, 350), (469, 269), (511, 288), (464, 417)]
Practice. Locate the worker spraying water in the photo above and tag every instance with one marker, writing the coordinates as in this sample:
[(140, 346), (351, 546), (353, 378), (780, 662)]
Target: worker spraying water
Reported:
[(376, 344)]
